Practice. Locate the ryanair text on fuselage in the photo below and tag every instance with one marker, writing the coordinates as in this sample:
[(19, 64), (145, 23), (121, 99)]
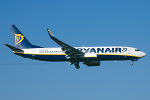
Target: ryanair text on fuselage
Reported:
[(102, 50)]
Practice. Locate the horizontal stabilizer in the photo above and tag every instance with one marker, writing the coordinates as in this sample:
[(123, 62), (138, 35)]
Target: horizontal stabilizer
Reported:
[(14, 48)]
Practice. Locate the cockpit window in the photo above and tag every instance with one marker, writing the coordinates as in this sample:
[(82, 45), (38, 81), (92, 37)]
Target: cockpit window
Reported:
[(137, 50)]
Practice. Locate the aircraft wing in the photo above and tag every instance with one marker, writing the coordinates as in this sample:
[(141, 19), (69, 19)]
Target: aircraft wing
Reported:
[(69, 50)]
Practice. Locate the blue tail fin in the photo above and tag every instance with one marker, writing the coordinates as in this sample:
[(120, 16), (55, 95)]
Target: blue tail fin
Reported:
[(19, 39)]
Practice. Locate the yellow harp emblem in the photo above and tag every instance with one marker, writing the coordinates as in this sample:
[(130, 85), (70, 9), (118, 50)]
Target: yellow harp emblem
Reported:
[(18, 38)]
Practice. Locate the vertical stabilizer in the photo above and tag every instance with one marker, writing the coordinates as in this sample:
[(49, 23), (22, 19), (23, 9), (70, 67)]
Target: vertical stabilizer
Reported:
[(19, 39)]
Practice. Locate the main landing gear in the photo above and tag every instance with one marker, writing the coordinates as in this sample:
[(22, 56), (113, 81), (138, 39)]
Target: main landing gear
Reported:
[(76, 64)]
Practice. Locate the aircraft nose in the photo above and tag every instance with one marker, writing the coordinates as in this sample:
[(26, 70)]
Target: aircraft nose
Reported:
[(143, 54)]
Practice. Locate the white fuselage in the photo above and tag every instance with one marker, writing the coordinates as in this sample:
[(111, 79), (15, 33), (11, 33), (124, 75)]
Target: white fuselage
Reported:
[(103, 53)]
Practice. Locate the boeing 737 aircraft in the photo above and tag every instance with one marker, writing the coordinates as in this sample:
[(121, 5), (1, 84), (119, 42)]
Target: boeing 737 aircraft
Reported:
[(90, 56)]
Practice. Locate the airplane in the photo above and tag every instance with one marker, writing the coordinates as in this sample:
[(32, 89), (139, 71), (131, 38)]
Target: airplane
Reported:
[(90, 56)]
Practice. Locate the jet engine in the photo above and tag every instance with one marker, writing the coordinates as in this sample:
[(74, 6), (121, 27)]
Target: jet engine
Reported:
[(92, 63)]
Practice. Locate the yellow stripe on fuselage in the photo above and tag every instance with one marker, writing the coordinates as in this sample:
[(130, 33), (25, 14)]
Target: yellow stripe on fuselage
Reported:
[(87, 56)]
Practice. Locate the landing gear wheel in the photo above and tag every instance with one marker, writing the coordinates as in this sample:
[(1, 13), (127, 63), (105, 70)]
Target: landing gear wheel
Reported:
[(77, 65), (131, 63)]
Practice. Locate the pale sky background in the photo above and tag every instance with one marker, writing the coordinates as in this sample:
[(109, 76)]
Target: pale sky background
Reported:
[(78, 23)]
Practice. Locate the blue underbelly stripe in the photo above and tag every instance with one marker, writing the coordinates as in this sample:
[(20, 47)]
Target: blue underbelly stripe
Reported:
[(63, 58)]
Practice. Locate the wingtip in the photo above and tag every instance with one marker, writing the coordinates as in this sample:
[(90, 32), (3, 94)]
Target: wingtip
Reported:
[(50, 34)]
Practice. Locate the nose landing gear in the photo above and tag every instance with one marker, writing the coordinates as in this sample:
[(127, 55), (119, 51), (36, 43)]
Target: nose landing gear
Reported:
[(133, 60), (131, 63)]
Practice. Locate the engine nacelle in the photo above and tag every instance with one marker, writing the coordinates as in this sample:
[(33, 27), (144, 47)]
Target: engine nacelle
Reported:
[(90, 56), (92, 63)]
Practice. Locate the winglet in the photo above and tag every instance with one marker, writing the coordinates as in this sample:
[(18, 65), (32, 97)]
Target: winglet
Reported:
[(50, 34)]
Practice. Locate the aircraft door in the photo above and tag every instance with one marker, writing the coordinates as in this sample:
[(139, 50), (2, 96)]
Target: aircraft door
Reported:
[(129, 51)]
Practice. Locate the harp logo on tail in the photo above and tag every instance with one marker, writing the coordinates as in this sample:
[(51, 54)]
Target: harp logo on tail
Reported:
[(18, 38)]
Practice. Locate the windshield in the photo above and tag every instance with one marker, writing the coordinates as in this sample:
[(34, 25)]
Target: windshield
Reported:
[(137, 50)]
